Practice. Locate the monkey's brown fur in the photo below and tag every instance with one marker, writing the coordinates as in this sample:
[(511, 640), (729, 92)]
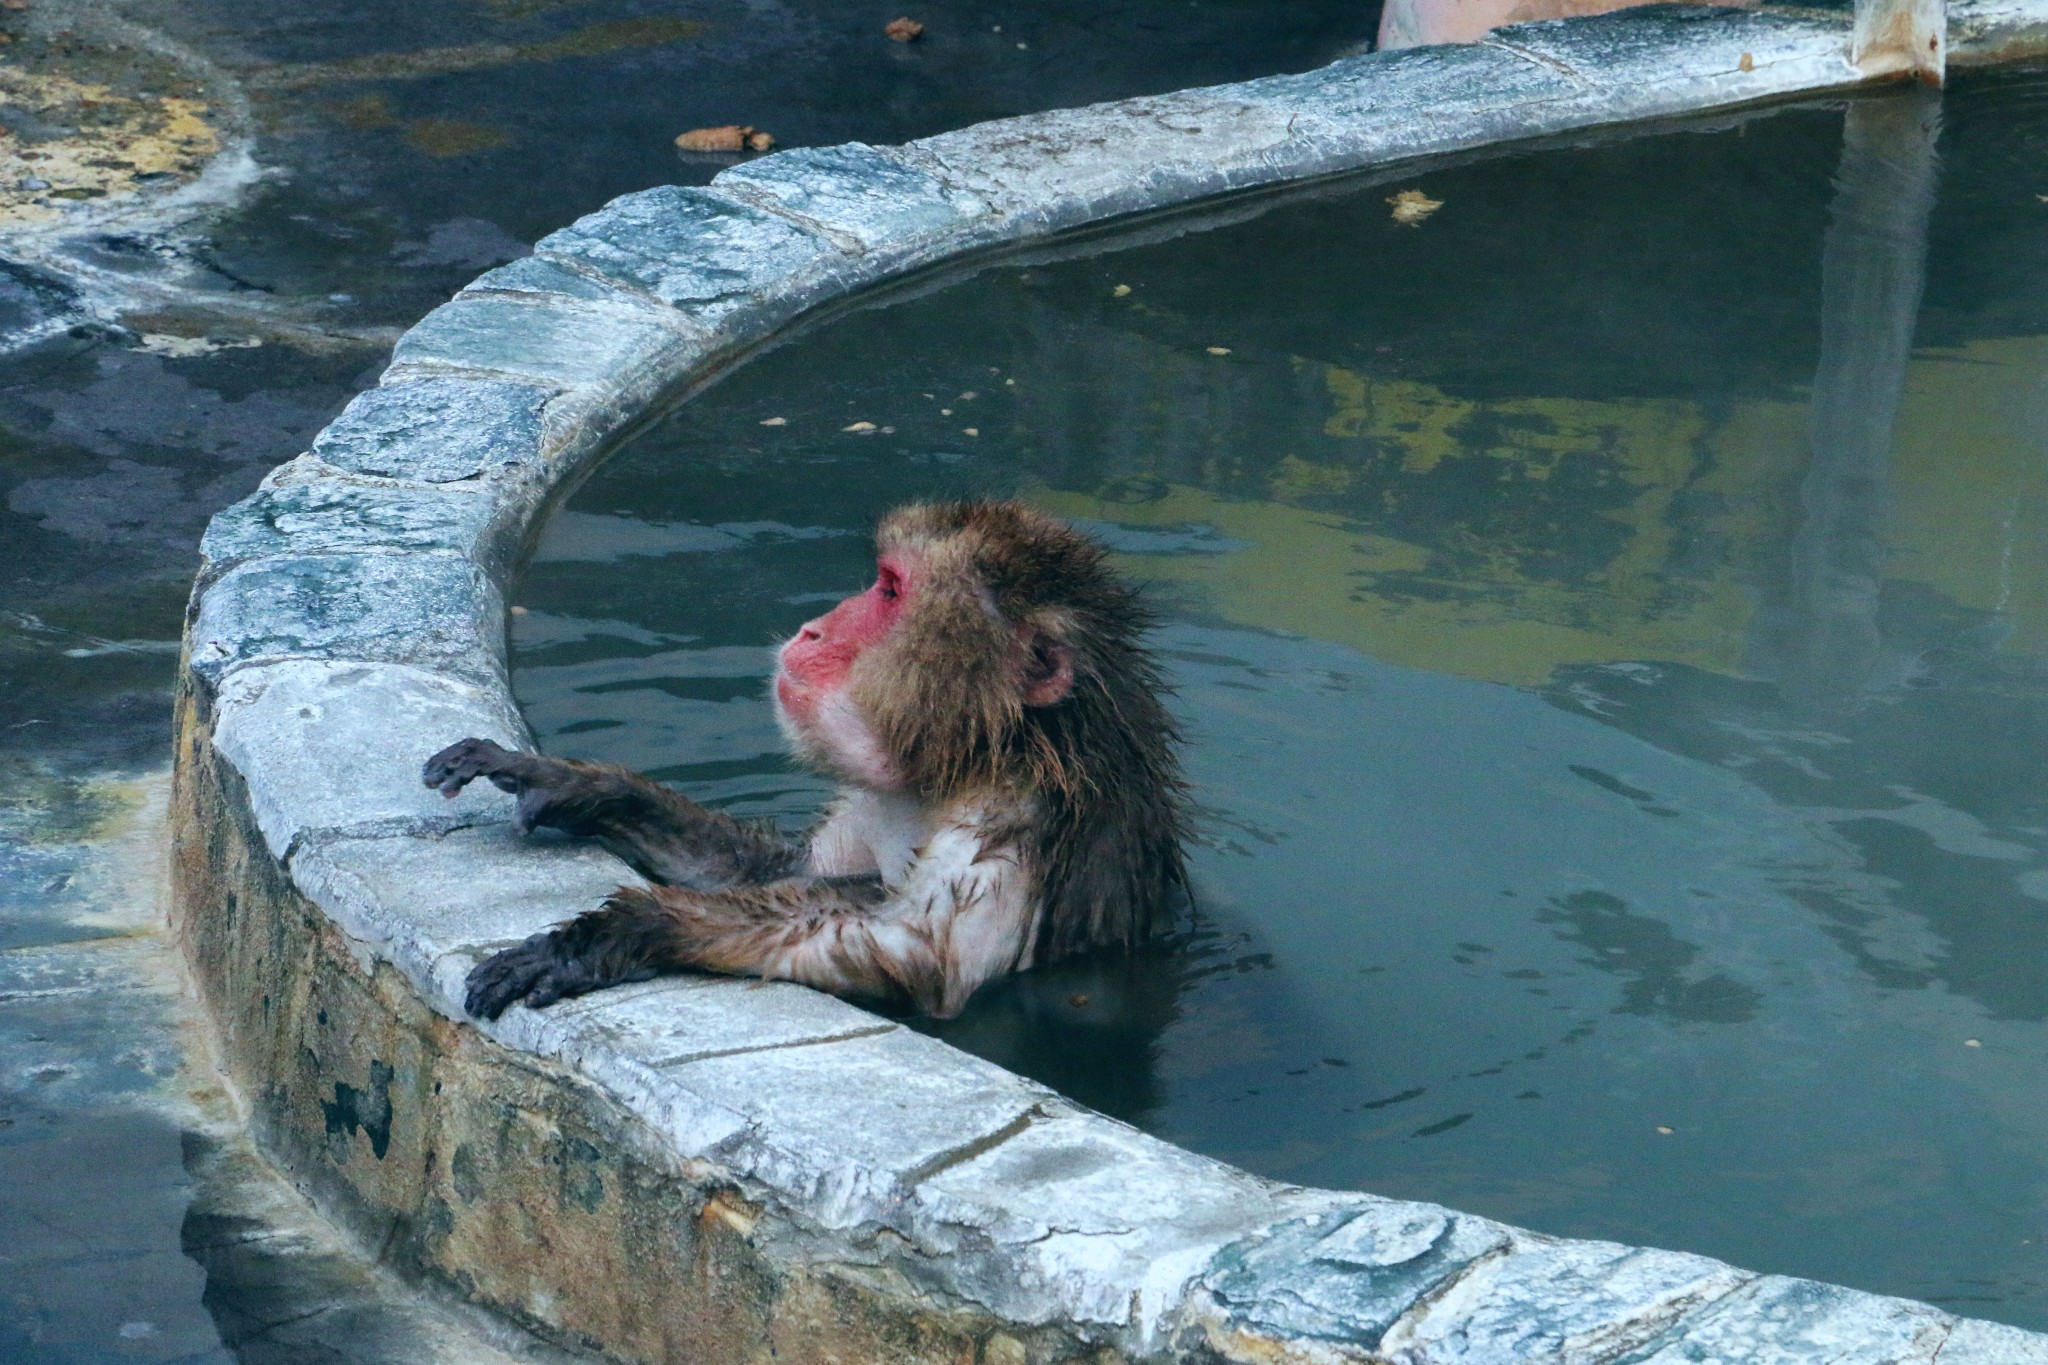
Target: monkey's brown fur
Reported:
[(1102, 762), (1073, 808)]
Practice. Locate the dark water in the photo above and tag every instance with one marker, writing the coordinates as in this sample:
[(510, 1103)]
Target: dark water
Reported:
[(1612, 622)]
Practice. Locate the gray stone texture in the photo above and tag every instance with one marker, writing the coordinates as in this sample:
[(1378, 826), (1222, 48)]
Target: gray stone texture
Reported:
[(433, 609), (433, 905), (854, 194), (337, 747), (1072, 166), (1079, 1218), (307, 507), (536, 275), (355, 626), (1629, 59), (1349, 1281), (846, 1127), (694, 248), (437, 430), (549, 339)]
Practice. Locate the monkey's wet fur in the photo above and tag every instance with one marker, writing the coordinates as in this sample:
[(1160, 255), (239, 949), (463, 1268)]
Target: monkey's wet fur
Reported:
[(1010, 791)]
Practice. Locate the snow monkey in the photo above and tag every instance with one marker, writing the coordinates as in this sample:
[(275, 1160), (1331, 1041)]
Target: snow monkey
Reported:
[(1010, 791)]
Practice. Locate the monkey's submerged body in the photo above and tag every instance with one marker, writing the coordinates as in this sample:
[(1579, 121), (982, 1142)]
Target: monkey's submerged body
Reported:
[(1010, 792)]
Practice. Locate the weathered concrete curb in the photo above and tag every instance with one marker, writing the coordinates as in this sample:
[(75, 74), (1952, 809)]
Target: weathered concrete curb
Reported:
[(704, 1170)]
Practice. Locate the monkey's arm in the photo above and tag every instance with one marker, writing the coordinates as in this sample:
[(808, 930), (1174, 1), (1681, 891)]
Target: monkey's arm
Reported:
[(962, 916), (665, 836)]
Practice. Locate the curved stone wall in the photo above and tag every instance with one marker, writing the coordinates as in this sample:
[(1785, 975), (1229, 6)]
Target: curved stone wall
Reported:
[(698, 1169)]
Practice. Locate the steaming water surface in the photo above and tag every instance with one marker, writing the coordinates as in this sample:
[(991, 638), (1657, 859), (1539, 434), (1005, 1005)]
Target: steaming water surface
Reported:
[(1611, 620)]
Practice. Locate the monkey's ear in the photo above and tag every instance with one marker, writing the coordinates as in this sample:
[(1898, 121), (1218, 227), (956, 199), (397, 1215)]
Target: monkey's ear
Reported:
[(1048, 671)]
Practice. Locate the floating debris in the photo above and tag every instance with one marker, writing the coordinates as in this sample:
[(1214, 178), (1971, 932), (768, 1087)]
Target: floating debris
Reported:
[(859, 428), (1218, 350), (775, 421), (1120, 292), (1412, 206), (904, 30), (727, 137)]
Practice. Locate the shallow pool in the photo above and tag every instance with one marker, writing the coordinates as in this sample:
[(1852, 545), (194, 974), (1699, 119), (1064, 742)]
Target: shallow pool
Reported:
[(1611, 619)]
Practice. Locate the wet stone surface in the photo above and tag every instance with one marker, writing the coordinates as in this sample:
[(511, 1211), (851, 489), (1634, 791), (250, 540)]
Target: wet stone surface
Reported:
[(854, 192), (436, 430), (308, 508), (688, 246), (429, 609)]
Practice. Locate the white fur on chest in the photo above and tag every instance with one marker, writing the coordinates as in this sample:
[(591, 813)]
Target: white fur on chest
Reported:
[(871, 831)]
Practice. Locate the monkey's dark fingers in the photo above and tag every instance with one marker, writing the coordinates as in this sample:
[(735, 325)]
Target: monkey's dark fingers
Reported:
[(462, 762), (515, 974)]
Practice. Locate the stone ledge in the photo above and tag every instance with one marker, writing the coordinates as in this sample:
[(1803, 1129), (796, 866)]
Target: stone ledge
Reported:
[(697, 1169)]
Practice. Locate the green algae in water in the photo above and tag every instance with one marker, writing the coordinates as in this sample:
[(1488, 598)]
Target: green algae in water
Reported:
[(1620, 801)]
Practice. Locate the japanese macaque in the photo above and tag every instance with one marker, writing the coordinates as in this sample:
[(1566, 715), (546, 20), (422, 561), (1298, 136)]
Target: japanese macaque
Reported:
[(1010, 790)]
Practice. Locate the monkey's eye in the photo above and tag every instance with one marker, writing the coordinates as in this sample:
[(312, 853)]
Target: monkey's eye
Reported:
[(888, 585)]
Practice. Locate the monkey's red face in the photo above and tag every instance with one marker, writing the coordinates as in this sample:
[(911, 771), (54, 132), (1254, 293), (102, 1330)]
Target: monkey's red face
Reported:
[(813, 667)]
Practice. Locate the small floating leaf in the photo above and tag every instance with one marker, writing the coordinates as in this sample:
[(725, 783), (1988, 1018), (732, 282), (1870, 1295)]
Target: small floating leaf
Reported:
[(1412, 206)]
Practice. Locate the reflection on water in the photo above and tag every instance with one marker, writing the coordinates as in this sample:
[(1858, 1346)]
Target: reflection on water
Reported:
[(1612, 623)]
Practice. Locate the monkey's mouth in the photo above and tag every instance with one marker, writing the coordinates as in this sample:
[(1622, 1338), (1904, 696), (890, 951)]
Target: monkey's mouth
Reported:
[(796, 706)]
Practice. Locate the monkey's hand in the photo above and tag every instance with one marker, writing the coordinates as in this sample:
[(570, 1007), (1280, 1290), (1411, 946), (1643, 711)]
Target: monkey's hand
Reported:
[(539, 971), (464, 761), (605, 947), (542, 784), (665, 835)]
